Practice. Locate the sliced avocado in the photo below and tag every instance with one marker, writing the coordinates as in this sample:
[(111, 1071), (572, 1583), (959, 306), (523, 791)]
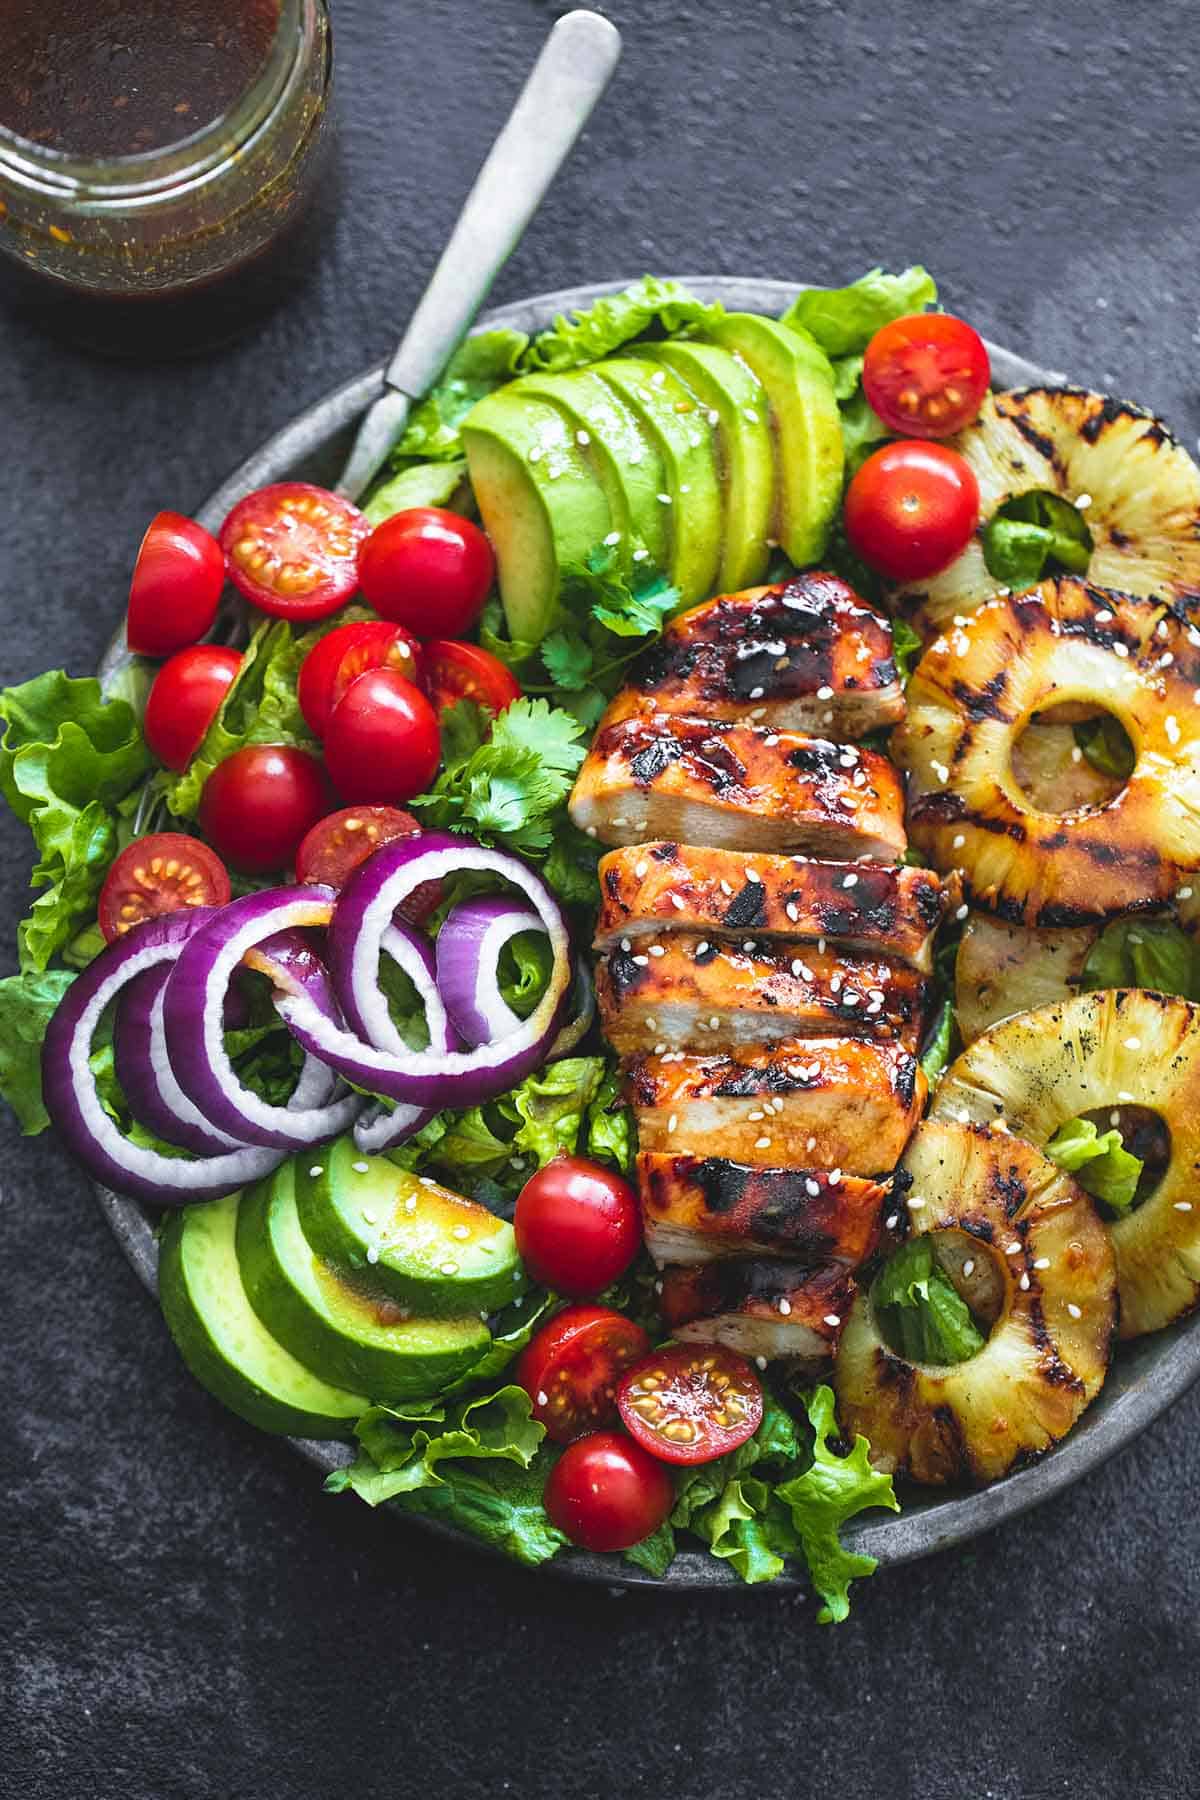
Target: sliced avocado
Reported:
[(539, 498), (745, 451), (345, 1332), (627, 465), (431, 1250), (672, 418), (805, 422), (223, 1341)]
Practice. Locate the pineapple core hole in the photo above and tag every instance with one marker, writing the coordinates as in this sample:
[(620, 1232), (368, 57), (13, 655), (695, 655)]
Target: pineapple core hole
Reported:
[(1146, 1135), (1072, 758)]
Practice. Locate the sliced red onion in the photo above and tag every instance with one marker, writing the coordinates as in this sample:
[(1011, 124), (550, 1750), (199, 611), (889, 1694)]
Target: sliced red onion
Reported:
[(469, 946), (377, 1128), (69, 1088), (144, 1068), (428, 1078), (193, 1009)]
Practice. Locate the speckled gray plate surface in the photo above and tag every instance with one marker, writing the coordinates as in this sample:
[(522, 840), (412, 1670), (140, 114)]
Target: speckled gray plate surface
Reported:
[(1146, 1377)]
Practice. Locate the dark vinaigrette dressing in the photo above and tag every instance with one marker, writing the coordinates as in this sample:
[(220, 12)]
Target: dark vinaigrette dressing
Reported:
[(101, 78)]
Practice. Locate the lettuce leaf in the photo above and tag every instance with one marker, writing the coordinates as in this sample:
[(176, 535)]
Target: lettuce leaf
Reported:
[(610, 1132), (551, 1105), (1148, 953), (844, 320), (922, 1312), (939, 1047), (1099, 1162), (67, 758), (664, 307), (479, 365), (1105, 743), (27, 1003), (1035, 534)]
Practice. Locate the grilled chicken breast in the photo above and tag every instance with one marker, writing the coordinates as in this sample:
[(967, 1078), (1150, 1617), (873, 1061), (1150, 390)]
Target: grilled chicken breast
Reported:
[(807, 655), (651, 774), (831, 1103), (879, 909), (759, 1307), (687, 993), (697, 1209), (968, 700)]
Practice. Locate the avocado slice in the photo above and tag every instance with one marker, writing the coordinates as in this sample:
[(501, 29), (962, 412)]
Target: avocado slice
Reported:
[(627, 465), (224, 1343), (672, 418), (539, 498), (805, 422), (745, 451), (429, 1249), (345, 1332)]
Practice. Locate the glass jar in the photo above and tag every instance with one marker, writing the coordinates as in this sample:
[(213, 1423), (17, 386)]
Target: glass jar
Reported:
[(169, 250)]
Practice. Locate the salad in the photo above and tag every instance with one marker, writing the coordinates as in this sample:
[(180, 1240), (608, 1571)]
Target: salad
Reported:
[(650, 973)]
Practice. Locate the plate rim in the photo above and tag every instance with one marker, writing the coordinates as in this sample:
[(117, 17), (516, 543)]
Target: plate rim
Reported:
[(918, 1530)]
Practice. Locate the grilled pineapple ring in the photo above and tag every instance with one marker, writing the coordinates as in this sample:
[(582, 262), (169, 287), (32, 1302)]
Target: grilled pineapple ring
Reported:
[(1143, 489), (1046, 1357), (1118, 1047), (971, 696)]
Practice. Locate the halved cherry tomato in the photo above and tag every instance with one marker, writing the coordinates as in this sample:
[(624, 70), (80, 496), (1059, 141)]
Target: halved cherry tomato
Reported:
[(428, 569), (577, 1225), (926, 375), (382, 740), (571, 1368), (260, 802), (157, 875), (292, 549), (606, 1493), (177, 582), (911, 508), (455, 672), (185, 698), (340, 842), (691, 1403), (347, 651)]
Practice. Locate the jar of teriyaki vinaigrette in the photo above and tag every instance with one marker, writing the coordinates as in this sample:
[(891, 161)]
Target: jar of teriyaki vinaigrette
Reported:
[(158, 164)]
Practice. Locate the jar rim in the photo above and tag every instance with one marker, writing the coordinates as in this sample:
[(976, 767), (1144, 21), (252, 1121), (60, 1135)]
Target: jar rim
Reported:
[(62, 175)]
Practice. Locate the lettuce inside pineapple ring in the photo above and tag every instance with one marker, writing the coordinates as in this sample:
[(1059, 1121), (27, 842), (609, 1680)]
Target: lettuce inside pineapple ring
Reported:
[(1116, 1047), (1141, 489), (1047, 1353), (972, 695)]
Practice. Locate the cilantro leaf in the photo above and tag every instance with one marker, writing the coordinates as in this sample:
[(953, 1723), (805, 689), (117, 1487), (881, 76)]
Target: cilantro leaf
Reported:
[(569, 660)]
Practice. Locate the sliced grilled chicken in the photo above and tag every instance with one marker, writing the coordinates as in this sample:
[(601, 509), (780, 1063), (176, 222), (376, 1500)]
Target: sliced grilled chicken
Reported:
[(1047, 1351), (759, 1307), (1142, 494), (696, 1209), (1089, 1055), (687, 993), (706, 781), (806, 655), (831, 1103), (880, 909), (1005, 969), (967, 702)]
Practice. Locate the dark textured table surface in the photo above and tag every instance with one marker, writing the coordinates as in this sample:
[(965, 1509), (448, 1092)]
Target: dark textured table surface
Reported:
[(182, 1612)]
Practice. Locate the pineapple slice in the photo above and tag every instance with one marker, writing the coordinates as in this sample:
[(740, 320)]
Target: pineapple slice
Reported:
[(1005, 969), (1119, 1047), (1143, 493), (968, 701), (1051, 1283)]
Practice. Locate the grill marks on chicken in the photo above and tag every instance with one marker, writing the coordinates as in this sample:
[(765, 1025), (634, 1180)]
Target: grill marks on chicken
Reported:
[(763, 976), (806, 655), (878, 909)]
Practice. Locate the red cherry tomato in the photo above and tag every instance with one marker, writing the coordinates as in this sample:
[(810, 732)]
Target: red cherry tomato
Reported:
[(911, 508), (292, 549), (605, 1492), (455, 672), (578, 1226), (177, 582), (157, 875), (428, 569), (340, 842), (346, 652), (382, 740), (260, 802), (184, 701), (691, 1403), (571, 1368), (926, 375)]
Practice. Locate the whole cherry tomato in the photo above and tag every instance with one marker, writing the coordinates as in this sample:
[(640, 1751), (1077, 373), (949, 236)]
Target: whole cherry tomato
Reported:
[(185, 699), (911, 509), (428, 569), (260, 802), (605, 1492), (382, 741), (577, 1225)]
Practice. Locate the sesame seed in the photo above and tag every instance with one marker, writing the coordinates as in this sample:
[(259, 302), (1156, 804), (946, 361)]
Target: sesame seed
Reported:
[(1104, 618), (1171, 727), (760, 1362), (461, 1231), (756, 693), (713, 417), (785, 1307), (1133, 1043), (542, 1397), (762, 1143), (360, 1168), (535, 453), (449, 1268), (714, 1022), (753, 875), (792, 911), (1012, 1250), (316, 1170), (850, 881), (641, 962), (833, 1318), (1074, 1310), (1121, 649), (1184, 893), (749, 944), (658, 950), (812, 1188), (824, 693), (1183, 1206), (960, 840), (754, 1115), (1023, 1284), (410, 1205), (1083, 501), (892, 1220), (614, 537), (704, 948), (968, 1267), (673, 1122), (772, 738), (626, 945), (591, 831), (640, 555), (663, 499), (660, 1049), (915, 1203), (1041, 1262), (749, 413), (676, 902), (652, 1024), (372, 1254), (725, 887)]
